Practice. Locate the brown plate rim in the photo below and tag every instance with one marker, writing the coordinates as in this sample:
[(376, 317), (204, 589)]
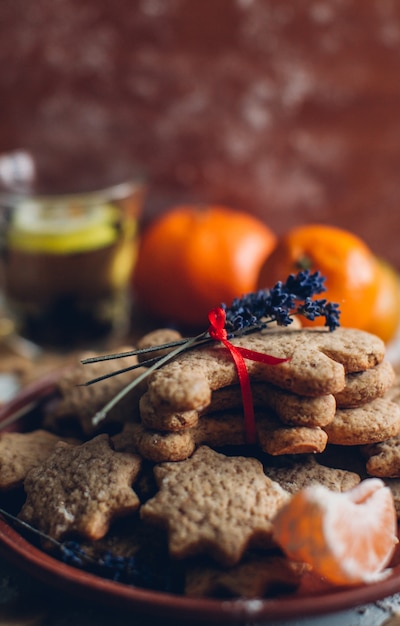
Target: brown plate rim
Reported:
[(53, 572)]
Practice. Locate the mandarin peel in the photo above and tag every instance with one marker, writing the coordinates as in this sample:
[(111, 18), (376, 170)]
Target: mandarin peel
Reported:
[(347, 538)]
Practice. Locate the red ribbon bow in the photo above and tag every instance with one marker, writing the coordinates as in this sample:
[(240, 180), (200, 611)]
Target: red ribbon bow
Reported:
[(217, 331)]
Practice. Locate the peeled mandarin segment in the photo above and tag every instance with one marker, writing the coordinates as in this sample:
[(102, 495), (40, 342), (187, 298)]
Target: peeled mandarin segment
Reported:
[(347, 538)]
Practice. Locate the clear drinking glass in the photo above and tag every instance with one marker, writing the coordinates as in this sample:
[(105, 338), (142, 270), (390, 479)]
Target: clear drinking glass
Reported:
[(67, 261)]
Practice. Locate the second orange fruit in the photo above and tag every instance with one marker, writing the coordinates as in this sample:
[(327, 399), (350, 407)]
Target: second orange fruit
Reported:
[(193, 258), (349, 266), (385, 314)]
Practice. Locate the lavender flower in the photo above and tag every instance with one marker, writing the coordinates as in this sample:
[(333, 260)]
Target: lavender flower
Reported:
[(119, 568), (332, 315), (304, 284), (139, 570), (73, 554), (279, 304)]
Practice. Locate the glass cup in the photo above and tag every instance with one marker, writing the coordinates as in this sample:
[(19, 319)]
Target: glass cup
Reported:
[(67, 261)]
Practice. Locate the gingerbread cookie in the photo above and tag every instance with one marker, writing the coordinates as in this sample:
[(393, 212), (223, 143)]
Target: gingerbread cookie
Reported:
[(79, 490), (155, 446), (20, 452), (277, 439), (220, 429), (214, 504), (318, 361), (82, 402), (394, 486), (156, 419), (308, 471), (126, 537), (365, 386), (383, 458), (393, 393), (292, 409), (372, 422), (369, 423)]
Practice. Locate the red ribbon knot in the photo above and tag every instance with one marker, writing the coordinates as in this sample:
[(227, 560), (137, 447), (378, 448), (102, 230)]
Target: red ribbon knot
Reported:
[(217, 331)]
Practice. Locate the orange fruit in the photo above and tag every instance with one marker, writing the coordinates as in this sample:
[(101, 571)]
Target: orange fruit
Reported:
[(347, 538), (194, 258), (349, 266), (385, 312)]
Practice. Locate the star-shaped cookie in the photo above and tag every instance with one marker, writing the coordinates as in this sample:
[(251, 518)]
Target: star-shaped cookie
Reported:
[(81, 489), (383, 458), (80, 403), (214, 504), (296, 475), (19, 452), (370, 423)]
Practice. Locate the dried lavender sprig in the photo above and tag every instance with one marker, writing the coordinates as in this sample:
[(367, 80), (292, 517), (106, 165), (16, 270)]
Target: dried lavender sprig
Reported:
[(207, 339), (119, 355), (199, 339), (102, 414), (311, 309), (254, 311), (148, 362), (70, 551), (281, 302), (136, 366), (305, 284), (27, 526)]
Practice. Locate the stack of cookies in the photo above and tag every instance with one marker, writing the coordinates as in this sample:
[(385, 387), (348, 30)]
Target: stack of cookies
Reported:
[(331, 389), (175, 456)]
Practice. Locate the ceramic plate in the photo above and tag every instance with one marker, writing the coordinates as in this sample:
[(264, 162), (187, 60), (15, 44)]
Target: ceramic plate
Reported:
[(312, 598)]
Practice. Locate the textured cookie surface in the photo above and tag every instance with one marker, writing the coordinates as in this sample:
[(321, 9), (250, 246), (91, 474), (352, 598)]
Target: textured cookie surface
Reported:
[(82, 402), (81, 489), (20, 452), (365, 386), (383, 458), (214, 504), (394, 392), (169, 421), (292, 409), (372, 422), (317, 363), (221, 429), (394, 486), (308, 471)]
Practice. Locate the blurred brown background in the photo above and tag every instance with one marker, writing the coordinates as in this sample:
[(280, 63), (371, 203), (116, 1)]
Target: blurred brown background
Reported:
[(289, 109)]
